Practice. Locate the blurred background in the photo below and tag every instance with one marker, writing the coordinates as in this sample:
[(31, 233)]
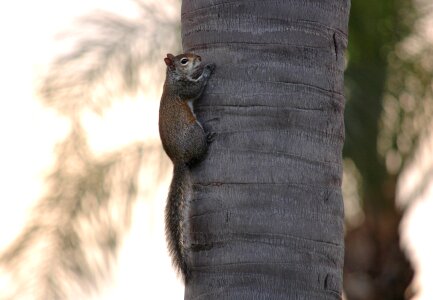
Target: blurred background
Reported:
[(85, 179)]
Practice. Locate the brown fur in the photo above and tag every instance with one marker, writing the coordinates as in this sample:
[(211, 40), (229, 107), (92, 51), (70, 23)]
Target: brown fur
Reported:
[(184, 141)]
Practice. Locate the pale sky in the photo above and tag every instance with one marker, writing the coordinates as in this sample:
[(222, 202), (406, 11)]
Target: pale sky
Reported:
[(30, 132)]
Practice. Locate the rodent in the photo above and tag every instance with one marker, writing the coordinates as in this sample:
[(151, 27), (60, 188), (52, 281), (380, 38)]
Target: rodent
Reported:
[(185, 142)]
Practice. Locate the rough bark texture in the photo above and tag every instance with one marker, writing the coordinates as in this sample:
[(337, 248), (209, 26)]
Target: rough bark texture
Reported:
[(266, 219)]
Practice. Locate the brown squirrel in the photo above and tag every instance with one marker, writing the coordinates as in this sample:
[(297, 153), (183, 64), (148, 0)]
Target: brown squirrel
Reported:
[(185, 142)]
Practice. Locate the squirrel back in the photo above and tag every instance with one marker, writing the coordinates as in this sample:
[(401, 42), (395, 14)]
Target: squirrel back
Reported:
[(184, 141)]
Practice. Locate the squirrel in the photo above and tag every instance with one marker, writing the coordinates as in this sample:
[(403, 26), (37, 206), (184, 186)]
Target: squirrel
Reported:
[(185, 142)]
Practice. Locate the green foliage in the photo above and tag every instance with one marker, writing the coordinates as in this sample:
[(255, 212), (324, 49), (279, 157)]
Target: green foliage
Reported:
[(376, 28)]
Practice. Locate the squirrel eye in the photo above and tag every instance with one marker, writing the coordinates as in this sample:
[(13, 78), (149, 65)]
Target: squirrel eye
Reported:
[(184, 61)]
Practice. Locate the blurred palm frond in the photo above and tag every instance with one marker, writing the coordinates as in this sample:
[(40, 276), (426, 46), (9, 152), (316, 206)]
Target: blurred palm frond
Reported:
[(75, 231), (110, 56), (69, 244), (72, 239)]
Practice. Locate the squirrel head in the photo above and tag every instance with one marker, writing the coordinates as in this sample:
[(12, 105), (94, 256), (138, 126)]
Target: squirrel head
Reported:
[(184, 65)]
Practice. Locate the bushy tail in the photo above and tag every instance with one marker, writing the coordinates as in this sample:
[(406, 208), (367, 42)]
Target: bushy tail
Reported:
[(175, 216)]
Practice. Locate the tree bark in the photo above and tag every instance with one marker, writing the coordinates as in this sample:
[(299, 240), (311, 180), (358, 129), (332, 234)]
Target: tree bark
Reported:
[(266, 219)]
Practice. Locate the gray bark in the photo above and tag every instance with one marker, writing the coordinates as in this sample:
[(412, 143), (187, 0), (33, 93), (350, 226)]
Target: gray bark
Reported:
[(267, 214)]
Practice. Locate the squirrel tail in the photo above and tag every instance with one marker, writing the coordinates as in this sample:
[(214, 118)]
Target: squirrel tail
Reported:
[(175, 214)]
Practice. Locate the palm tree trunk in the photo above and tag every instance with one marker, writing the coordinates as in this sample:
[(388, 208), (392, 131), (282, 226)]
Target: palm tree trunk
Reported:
[(267, 214)]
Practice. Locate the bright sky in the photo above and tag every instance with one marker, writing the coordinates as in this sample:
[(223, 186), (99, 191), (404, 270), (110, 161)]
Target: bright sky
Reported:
[(30, 131), (418, 222)]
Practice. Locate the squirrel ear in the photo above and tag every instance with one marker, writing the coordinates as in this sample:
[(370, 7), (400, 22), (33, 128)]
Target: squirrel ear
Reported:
[(168, 61)]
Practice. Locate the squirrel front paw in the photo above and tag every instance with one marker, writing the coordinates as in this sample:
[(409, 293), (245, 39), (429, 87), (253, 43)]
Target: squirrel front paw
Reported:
[(210, 67), (210, 137)]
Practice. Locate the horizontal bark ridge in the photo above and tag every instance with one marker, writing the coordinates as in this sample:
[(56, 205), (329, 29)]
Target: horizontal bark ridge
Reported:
[(266, 219)]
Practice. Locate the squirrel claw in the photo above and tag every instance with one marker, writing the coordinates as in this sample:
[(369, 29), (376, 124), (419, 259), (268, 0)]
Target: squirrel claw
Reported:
[(211, 67), (210, 137)]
